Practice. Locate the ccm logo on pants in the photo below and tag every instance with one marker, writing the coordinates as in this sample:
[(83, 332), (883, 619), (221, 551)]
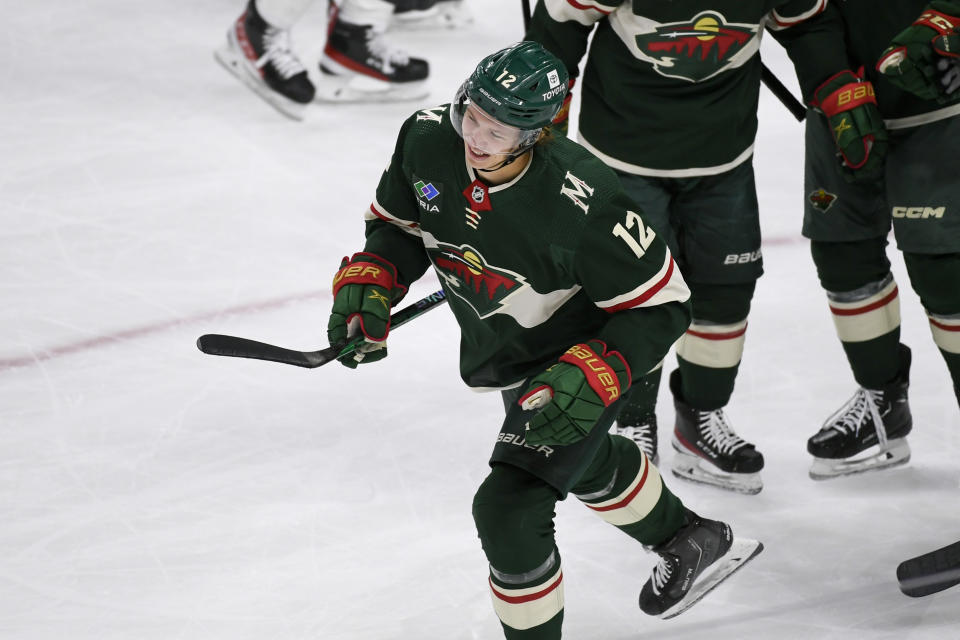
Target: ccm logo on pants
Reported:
[(918, 212)]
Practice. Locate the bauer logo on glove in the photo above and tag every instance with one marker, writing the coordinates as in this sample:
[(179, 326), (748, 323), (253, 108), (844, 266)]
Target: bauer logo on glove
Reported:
[(364, 289), (571, 395)]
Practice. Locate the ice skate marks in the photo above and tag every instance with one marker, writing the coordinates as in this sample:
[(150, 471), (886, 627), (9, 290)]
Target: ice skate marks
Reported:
[(742, 551)]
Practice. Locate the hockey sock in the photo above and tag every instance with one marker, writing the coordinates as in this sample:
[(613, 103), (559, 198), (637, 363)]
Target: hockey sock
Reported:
[(513, 511), (934, 278), (709, 352), (640, 401), (865, 305), (624, 488)]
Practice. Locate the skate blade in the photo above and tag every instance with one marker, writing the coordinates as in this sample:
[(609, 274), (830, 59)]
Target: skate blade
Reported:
[(897, 453), (238, 67), (693, 468), (360, 89), (741, 551), (432, 19)]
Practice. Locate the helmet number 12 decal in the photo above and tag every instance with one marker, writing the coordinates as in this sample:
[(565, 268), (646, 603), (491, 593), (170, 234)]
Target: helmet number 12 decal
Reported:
[(506, 78), (645, 235)]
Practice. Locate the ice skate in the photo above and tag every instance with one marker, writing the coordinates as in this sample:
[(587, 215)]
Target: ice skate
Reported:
[(868, 433), (642, 430), (358, 65), (259, 55), (701, 555), (445, 14), (709, 452)]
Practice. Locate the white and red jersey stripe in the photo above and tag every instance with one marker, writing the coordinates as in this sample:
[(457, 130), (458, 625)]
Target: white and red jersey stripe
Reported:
[(585, 12), (667, 285), (530, 606), (633, 503), (867, 313), (946, 332), (378, 211), (717, 346), (794, 13)]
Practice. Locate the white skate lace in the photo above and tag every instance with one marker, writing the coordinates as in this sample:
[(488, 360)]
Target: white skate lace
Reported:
[(715, 430), (383, 55), (642, 435), (851, 416), (661, 573), (276, 50)]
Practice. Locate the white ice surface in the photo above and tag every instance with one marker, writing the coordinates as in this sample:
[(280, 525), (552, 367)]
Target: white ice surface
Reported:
[(148, 491)]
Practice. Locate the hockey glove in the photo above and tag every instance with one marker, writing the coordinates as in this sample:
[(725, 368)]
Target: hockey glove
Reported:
[(573, 393), (923, 58), (850, 106), (364, 289)]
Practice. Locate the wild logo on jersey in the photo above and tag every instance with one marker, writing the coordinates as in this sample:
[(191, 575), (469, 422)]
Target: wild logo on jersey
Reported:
[(697, 49), (468, 276), (822, 199)]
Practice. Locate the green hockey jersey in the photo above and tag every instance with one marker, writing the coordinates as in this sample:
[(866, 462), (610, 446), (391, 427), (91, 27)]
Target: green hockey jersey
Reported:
[(557, 256), (869, 28), (671, 88)]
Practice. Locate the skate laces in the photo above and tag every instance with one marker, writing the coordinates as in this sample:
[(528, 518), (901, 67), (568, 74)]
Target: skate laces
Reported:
[(642, 434), (715, 430), (661, 574), (385, 56), (851, 416), (277, 51)]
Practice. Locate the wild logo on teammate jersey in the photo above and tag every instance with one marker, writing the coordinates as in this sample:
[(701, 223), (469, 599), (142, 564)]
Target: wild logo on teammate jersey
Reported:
[(696, 49), (470, 278), (822, 199)]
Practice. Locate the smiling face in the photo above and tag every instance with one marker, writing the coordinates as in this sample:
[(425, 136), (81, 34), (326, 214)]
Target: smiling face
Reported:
[(487, 143)]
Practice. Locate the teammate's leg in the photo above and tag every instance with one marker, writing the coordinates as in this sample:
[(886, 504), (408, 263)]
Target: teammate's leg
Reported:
[(624, 488), (259, 53), (935, 278), (359, 64), (514, 512)]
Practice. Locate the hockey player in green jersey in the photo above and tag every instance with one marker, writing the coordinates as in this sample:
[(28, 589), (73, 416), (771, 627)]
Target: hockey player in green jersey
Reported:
[(561, 291), (908, 50), (669, 100)]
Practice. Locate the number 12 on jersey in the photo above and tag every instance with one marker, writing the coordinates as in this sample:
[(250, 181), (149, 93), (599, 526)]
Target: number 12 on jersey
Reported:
[(645, 235)]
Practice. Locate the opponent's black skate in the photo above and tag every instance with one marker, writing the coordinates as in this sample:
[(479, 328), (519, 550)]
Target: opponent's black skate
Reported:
[(701, 555), (642, 429), (359, 65), (259, 54), (708, 451), (868, 432)]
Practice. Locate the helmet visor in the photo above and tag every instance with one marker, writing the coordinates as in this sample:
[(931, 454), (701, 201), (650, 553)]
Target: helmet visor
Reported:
[(483, 133)]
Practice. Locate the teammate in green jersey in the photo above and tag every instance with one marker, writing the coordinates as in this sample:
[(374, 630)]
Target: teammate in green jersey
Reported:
[(560, 290), (909, 51), (669, 100)]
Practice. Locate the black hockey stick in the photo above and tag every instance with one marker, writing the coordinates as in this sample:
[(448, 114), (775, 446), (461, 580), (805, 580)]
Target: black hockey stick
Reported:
[(930, 572), (783, 94), (220, 345), (773, 83)]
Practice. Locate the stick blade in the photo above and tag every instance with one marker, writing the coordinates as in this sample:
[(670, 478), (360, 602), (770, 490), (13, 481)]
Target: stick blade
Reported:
[(930, 572), (233, 346)]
